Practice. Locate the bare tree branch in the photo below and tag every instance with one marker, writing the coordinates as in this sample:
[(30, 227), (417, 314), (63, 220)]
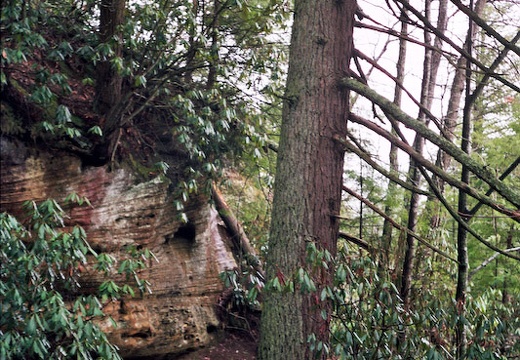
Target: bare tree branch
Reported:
[(396, 225), (368, 159), (401, 86), (463, 52), (361, 243), (462, 221), (481, 172), (488, 29), (483, 82), (515, 215), (489, 260), (509, 170)]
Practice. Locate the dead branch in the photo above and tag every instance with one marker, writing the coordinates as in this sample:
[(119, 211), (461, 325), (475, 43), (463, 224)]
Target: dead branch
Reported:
[(238, 235), (361, 243), (488, 29), (489, 260), (368, 159), (396, 225), (463, 52), (480, 171), (462, 221), (420, 160)]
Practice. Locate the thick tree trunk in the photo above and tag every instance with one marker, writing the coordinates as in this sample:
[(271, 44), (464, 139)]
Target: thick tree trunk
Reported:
[(108, 99), (309, 175)]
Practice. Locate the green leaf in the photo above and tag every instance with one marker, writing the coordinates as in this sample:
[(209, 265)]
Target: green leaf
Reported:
[(140, 81), (30, 328), (96, 130), (63, 115)]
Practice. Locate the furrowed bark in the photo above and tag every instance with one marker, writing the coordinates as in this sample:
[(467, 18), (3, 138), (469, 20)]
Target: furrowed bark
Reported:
[(307, 193)]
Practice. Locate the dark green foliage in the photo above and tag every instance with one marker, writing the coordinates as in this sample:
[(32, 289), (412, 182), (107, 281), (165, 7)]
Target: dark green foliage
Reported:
[(43, 315), (189, 70), (369, 320), (246, 286)]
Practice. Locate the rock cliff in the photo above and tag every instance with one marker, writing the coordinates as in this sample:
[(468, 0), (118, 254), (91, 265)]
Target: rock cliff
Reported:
[(180, 313)]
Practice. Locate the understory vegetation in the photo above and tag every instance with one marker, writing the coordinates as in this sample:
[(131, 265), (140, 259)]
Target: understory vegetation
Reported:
[(44, 312)]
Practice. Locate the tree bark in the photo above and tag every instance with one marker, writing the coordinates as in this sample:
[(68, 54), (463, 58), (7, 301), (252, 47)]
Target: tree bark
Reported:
[(462, 233), (108, 79), (386, 237), (241, 243), (430, 67), (307, 195)]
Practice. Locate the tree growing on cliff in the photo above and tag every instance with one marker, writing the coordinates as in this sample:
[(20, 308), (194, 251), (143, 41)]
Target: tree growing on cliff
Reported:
[(174, 77)]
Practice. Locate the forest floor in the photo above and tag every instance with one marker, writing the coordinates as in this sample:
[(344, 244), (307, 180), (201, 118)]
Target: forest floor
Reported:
[(233, 346)]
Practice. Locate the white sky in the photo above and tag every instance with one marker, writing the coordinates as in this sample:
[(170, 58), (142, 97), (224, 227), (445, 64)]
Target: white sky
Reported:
[(371, 43)]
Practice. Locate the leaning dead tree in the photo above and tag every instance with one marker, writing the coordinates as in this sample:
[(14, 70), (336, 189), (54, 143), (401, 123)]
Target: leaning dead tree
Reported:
[(241, 243)]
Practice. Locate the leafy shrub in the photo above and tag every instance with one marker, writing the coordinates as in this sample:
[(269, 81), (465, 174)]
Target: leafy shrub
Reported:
[(370, 322), (41, 265)]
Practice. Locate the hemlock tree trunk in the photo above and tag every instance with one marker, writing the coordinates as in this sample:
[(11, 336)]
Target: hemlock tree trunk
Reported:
[(108, 99), (309, 175)]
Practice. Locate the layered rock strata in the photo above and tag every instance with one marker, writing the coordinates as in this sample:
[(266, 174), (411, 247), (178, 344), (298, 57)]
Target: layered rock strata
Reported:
[(180, 313)]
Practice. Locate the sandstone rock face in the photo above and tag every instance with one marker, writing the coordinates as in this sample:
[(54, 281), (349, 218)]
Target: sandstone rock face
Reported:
[(180, 313)]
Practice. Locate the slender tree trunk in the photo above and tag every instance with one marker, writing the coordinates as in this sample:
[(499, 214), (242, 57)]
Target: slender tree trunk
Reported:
[(449, 124), (462, 234), (108, 79), (415, 175), (307, 195), (462, 247), (386, 238), (429, 83), (505, 285)]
